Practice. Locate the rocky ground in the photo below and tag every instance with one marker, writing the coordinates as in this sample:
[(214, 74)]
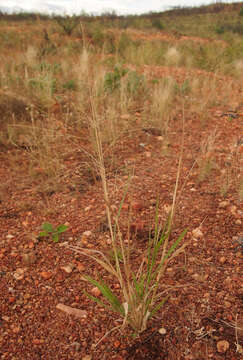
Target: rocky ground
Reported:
[(44, 313)]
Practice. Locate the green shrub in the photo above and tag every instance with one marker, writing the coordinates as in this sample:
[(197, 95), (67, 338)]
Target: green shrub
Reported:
[(70, 85), (219, 29), (67, 23), (43, 83), (113, 79), (157, 24), (123, 44), (135, 82)]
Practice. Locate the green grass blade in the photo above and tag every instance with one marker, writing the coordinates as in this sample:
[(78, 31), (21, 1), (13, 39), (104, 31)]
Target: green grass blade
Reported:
[(174, 246), (108, 294), (95, 299), (158, 306)]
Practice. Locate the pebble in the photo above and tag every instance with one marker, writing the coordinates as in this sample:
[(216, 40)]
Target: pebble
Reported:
[(222, 260), (125, 207), (125, 116), (68, 268), (197, 233), (227, 304), (233, 209), (80, 266), (19, 274), (222, 346), (162, 331), (5, 318), (38, 341), (238, 222), (46, 275), (87, 233), (72, 311), (16, 329), (87, 357), (223, 204), (95, 291), (9, 237)]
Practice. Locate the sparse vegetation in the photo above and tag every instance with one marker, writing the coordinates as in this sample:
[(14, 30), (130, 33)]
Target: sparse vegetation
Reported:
[(89, 104), (50, 231)]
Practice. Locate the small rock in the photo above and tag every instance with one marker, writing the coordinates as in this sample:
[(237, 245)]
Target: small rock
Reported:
[(169, 270), (72, 311), (227, 304), (87, 357), (125, 117), (222, 260), (46, 275), (223, 204), (95, 291), (233, 209), (87, 208), (222, 346), (87, 233), (5, 318), (67, 268), (238, 222), (117, 344), (80, 266), (19, 274), (16, 329), (162, 331), (9, 237), (38, 341), (125, 206), (148, 154), (11, 300), (197, 233)]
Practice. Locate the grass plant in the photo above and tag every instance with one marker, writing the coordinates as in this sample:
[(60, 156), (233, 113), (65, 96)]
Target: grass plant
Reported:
[(140, 296)]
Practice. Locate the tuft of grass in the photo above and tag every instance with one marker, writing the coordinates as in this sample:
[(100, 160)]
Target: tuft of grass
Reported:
[(140, 297), (207, 162)]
